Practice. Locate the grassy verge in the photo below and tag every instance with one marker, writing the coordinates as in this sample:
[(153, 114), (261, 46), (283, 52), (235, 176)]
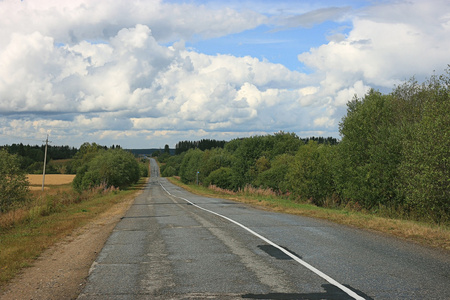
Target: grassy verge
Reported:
[(423, 233), (48, 222)]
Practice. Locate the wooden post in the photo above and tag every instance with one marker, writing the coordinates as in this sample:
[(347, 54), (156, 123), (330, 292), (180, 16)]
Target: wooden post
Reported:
[(45, 162)]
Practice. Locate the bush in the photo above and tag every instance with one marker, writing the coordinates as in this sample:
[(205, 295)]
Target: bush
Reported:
[(168, 171), (275, 177), (221, 177), (143, 167), (114, 167), (425, 167), (370, 152), (310, 175), (13, 182), (190, 166)]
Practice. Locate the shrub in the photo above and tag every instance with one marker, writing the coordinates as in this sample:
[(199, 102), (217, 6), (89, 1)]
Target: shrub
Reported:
[(13, 182), (114, 167), (169, 171), (221, 177), (143, 167), (310, 175)]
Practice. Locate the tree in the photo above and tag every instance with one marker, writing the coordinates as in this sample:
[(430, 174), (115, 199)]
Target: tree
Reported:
[(275, 177), (248, 151), (117, 168), (425, 167), (13, 182), (221, 177), (213, 160), (370, 152), (190, 166), (166, 149), (310, 174)]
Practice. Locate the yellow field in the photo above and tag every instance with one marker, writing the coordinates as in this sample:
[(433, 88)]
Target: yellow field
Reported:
[(50, 179)]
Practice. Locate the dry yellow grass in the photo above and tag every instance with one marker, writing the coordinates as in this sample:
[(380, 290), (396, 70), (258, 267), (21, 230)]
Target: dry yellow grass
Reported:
[(50, 179)]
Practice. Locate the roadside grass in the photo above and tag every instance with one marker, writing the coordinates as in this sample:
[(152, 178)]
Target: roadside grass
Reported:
[(53, 215), (431, 235)]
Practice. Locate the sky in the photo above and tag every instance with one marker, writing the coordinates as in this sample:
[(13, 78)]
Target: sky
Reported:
[(143, 74)]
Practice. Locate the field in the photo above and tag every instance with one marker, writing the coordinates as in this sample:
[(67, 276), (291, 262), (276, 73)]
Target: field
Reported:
[(50, 179)]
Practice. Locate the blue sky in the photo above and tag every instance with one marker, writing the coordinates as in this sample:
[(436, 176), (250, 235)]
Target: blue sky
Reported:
[(143, 74)]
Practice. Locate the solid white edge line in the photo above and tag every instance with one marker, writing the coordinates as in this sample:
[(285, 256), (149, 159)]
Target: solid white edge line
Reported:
[(294, 257)]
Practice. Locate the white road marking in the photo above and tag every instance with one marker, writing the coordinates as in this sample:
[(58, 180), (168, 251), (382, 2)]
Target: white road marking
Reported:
[(294, 257)]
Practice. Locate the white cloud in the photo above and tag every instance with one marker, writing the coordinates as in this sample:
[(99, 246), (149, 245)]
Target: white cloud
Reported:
[(388, 44), (74, 21), (86, 70)]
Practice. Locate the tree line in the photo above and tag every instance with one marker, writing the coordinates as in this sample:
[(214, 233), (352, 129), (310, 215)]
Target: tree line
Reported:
[(95, 166), (394, 155), (31, 158), (203, 144)]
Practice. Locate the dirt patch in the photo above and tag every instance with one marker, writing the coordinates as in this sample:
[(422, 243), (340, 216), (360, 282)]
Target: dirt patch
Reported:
[(61, 271)]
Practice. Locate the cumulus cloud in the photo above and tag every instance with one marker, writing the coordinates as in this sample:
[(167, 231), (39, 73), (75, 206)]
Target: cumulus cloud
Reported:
[(87, 71), (75, 21), (388, 44)]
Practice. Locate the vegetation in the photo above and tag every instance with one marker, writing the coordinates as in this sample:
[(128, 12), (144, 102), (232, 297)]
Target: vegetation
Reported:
[(31, 158), (96, 166), (419, 232), (31, 221), (204, 144), (13, 182), (99, 167), (48, 217), (393, 157), (392, 160)]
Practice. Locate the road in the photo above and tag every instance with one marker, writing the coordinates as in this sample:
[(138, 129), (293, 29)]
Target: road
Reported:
[(172, 244)]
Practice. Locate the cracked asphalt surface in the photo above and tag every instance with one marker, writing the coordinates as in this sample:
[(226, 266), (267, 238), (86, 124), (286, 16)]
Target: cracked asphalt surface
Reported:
[(167, 248)]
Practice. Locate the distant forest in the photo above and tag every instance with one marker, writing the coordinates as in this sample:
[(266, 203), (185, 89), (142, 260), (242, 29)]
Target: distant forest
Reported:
[(32, 157), (207, 144)]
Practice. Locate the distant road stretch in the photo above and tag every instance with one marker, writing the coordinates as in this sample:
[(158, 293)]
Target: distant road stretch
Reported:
[(175, 245)]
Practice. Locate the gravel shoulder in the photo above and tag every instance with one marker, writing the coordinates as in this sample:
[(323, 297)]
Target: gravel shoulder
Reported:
[(61, 271)]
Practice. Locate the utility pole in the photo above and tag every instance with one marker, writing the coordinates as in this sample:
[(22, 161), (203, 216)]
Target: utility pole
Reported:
[(45, 162)]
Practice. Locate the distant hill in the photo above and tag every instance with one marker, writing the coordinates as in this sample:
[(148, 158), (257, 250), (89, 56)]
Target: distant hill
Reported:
[(149, 152)]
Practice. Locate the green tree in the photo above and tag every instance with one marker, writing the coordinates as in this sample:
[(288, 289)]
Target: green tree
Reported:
[(285, 143), (114, 167), (190, 166), (13, 181), (425, 167), (370, 152), (248, 151), (166, 149), (221, 177), (275, 177), (310, 174), (172, 164), (214, 159)]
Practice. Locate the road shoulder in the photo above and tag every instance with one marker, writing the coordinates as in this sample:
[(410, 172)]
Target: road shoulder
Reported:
[(61, 271)]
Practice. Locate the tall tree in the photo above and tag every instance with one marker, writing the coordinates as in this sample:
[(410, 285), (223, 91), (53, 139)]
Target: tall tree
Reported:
[(425, 168), (370, 151), (13, 182)]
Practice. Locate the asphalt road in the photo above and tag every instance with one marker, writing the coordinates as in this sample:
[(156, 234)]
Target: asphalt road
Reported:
[(175, 245)]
